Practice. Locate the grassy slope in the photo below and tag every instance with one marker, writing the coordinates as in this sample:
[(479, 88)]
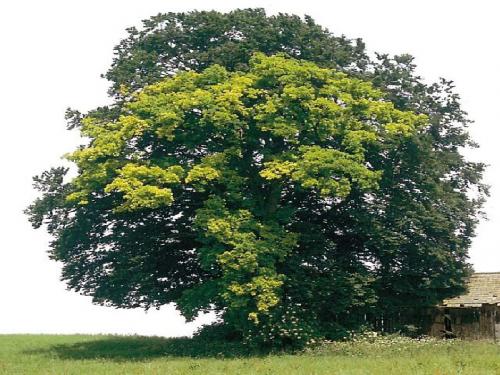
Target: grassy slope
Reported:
[(78, 354)]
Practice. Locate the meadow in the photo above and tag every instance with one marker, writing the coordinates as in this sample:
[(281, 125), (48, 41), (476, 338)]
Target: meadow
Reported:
[(84, 354)]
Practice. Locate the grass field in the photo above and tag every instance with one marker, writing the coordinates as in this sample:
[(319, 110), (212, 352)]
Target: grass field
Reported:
[(80, 354)]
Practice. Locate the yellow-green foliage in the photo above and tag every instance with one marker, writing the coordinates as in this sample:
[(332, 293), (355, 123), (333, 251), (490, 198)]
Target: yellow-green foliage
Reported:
[(236, 141), (135, 182)]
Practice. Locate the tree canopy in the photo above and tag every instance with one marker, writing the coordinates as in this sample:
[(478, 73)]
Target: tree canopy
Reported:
[(292, 196)]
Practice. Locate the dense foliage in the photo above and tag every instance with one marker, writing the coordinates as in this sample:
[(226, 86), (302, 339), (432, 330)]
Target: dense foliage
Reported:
[(294, 198)]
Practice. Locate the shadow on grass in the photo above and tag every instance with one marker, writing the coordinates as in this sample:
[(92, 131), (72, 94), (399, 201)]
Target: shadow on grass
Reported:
[(139, 348)]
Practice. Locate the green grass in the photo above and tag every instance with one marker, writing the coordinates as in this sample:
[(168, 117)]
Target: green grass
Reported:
[(79, 354)]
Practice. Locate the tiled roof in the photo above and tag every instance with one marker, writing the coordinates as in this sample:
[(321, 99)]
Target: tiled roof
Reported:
[(481, 288)]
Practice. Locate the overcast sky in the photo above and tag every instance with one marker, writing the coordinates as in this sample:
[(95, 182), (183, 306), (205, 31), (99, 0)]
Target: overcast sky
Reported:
[(52, 53)]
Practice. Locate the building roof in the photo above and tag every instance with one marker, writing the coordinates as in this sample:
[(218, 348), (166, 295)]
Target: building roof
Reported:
[(482, 288)]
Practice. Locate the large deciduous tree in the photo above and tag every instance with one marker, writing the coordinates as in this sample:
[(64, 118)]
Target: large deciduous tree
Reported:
[(292, 197)]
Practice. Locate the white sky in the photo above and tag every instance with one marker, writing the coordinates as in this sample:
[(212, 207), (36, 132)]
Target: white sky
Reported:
[(52, 53)]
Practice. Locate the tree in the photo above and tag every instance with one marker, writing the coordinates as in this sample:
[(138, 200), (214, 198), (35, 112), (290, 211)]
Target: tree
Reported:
[(196, 40), (269, 189)]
